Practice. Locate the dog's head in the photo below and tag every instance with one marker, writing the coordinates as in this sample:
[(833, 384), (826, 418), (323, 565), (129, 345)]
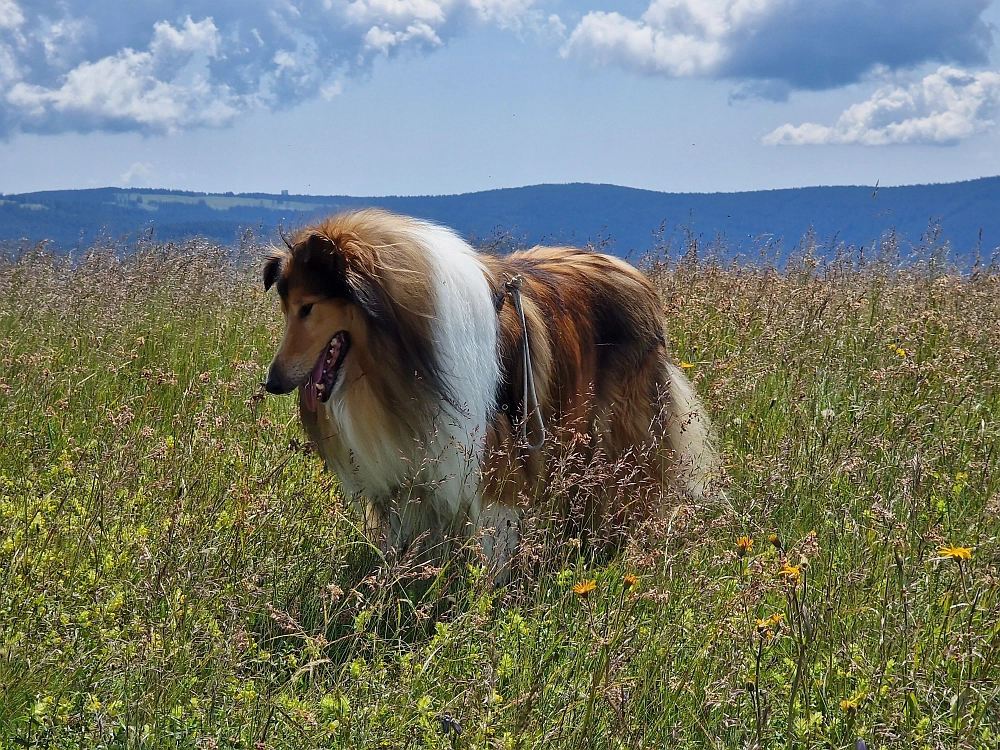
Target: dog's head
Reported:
[(356, 299), (322, 318)]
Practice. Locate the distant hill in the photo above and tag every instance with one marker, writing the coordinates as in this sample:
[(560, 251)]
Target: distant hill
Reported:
[(574, 214)]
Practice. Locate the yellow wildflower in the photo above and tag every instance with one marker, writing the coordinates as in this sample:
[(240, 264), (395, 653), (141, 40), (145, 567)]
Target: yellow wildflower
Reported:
[(686, 365), (630, 580), (775, 541), (955, 553), (766, 628), (790, 573), (849, 706), (584, 587), (744, 546), (901, 352)]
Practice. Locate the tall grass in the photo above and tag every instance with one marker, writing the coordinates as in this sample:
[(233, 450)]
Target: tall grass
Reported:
[(177, 571)]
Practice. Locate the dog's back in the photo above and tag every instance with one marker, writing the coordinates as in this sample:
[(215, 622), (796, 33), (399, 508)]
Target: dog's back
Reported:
[(601, 367)]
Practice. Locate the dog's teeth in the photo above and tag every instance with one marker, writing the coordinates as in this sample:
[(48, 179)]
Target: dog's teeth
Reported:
[(320, 387)]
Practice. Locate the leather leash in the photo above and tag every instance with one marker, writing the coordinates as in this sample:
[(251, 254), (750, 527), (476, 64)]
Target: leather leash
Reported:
[(531, 406)]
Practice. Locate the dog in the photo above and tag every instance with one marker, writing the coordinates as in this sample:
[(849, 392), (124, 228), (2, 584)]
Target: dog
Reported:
[(408, 349)]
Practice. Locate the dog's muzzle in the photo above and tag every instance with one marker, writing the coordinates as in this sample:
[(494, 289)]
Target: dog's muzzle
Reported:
[(277, 384)]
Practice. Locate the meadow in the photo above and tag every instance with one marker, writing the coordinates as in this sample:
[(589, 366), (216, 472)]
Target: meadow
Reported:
[(176, 570)]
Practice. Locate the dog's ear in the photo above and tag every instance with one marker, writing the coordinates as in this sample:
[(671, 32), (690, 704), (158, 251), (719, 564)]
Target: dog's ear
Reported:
[(272, 268), (356, 265), (367, 294), (317, 247)]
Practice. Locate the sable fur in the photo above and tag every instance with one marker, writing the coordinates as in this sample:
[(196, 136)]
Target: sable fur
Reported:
[(423, 425)]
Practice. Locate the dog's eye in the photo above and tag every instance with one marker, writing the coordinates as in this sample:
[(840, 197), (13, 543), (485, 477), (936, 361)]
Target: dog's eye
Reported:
[(305, 310)]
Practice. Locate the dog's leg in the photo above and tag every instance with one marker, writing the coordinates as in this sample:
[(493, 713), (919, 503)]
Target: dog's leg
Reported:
[(404, 525), (689, 435), (499, 534)]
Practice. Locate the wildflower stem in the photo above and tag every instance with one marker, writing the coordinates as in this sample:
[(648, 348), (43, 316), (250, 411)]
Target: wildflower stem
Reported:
[(758, 709), (595, 681)]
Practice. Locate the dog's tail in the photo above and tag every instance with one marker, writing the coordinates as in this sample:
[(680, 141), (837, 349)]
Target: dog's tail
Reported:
[(689, 433)]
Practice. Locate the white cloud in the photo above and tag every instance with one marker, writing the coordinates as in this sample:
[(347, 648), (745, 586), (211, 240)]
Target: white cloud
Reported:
[(812, 44), (555, 26), (298, 69), (126, 88), (158, 67), (396, 12), (945, 107), (332, 90), (673, 37), (506, 13), (383, 40), (10, 71), (136, 175), (396, 23), (62, 41), (201, 36), (400, 14), (11, 16)]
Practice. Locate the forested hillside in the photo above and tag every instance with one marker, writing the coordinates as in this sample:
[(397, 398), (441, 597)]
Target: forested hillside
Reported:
[(966, 213)]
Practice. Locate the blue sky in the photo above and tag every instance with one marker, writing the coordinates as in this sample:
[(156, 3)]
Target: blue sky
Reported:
[(377, 97)]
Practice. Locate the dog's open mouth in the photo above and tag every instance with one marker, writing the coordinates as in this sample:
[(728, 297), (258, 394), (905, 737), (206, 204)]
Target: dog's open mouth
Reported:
[(325, 372)]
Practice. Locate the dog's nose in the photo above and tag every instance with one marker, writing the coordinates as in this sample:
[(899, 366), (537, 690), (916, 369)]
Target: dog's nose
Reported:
[(275, 383)]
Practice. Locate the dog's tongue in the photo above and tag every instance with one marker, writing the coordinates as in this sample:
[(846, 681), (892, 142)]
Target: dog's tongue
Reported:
[(309, 391), (332, 352), (316, 376)]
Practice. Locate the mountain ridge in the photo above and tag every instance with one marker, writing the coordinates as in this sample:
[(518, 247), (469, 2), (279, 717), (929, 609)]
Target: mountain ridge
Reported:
[(623, 220)]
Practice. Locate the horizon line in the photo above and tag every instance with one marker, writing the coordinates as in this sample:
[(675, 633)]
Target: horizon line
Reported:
[(287, 195)]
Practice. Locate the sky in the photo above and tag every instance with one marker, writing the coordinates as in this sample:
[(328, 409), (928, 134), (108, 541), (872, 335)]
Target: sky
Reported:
[(429, 97)]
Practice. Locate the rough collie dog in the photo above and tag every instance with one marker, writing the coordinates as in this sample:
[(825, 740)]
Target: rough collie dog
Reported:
[(408, 352)]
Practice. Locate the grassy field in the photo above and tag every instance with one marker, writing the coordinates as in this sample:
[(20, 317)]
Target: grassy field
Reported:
[(177, 571)]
